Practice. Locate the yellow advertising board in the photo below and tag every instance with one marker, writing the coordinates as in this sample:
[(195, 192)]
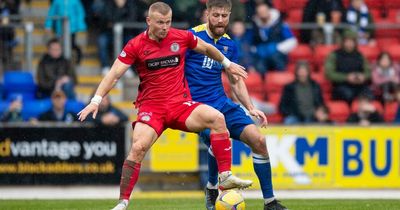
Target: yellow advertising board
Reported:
[(327, 157), (175, 151)]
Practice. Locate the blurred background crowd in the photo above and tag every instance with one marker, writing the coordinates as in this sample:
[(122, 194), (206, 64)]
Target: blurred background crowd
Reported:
[(309, 61)]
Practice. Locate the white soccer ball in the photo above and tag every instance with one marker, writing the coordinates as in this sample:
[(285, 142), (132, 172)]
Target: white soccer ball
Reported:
[(230, 200)]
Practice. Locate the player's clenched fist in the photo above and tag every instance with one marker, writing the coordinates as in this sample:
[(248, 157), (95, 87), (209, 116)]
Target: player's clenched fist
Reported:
[(90, 108)]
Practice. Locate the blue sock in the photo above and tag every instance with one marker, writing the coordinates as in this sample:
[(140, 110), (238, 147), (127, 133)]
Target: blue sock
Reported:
[(262, 167), (212, 168)]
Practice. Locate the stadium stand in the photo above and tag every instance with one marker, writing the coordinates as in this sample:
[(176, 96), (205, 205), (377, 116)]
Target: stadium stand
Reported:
[(339, 111)]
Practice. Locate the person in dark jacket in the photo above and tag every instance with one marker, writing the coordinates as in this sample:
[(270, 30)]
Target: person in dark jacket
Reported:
[(348, 70), (109, 115), (58, 113), (366, 113), (55, 72), (301, 98)]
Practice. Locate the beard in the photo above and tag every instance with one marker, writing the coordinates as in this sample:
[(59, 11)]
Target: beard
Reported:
[(217, 30)]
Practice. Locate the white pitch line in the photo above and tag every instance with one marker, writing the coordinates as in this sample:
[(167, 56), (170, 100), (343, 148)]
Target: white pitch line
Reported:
[(112, 192)]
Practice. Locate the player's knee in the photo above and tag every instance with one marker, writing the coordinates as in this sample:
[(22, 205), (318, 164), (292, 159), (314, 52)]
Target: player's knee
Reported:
[(138, 151), (259, 146), (219, 122)]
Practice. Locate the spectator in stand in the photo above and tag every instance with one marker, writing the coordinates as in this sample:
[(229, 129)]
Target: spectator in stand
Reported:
[(109, 115), (301, 98), (366, 113), (55, 72), (359, 16), (321, 115), (73, 10), (272, 39), (242, 38), (58, 113), (385, 77), (321, 12), (13, 113), (348, 70), (114, 11), (397, 95), (7, 34)]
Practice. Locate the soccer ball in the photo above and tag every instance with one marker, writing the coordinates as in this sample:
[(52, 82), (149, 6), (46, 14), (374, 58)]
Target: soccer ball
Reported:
[(230, 200)]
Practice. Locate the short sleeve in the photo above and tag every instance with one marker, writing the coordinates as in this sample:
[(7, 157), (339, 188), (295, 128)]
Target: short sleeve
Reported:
[(192, 39), (128, 55)]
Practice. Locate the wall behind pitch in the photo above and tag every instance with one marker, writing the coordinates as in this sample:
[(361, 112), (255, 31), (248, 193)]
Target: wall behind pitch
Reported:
[(327, 157)]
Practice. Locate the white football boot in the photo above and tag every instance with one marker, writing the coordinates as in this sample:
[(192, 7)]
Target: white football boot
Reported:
[(122, 205), (229, 181)]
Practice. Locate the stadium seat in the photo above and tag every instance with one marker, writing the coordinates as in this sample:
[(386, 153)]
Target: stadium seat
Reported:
[(226, 84), (280, 5), (32, 109), (377, 105), (74, 106), (275, 118), (321, 52), (374, 4), (386, 32), (254, 84), (295, 4), (383, 43), (301, 52), (391, 4), (19, 83), (394, 51), (322, 81), (376, 14), (369, 52), (275, 98), (294, 16), (275, 81), (390, 111), (393, 15), (3, 106), (339, 111)]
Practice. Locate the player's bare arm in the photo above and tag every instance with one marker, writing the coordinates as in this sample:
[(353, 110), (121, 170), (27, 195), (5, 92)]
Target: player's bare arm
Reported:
[(240, 90), (213, 53), (107, 83)]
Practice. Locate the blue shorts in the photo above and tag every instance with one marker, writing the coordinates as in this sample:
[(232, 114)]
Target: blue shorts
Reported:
[(235, 118)]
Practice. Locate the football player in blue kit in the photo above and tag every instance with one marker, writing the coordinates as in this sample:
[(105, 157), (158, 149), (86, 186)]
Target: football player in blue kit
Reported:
[(204, 78)]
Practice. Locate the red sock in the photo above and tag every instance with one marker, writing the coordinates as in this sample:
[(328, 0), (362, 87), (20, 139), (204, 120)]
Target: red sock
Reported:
[(222, 149), (129, 177)]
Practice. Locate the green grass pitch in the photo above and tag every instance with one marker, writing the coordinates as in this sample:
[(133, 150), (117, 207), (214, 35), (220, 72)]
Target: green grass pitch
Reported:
[(194, 204)]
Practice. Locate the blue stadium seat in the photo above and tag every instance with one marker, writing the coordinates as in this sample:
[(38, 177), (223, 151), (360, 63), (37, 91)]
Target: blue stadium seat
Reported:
[(74, 106), (19, 83), (32, 109), (3, 106)]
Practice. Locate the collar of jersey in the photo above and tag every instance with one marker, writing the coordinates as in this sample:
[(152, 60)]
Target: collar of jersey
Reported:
[(210, 36)]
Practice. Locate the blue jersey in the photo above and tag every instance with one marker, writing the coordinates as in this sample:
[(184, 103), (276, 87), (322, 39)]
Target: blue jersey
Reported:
[(204, 74)]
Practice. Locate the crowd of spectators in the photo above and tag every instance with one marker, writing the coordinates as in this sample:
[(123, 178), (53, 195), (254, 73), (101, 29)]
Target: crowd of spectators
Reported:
[(267, 45)]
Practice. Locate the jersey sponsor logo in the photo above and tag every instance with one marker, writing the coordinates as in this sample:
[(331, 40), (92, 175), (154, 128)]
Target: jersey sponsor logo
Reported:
[(123, 54), (207, 63), (175, 47), (163, 62)]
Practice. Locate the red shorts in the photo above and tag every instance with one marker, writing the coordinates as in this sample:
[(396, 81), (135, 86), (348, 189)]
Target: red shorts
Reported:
[(162, 116)]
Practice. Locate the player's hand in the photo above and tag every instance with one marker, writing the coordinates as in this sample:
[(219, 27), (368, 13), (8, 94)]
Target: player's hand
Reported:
[(259, 115), (236, 71), (90, 108)]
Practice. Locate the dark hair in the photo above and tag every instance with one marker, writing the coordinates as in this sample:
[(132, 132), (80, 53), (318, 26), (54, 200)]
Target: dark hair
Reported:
[(383, 54), (53, 41), (219, 3), (160, 7), (324, 108)]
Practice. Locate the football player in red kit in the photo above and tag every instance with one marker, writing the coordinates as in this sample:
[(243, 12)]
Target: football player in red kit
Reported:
[(164, 99)]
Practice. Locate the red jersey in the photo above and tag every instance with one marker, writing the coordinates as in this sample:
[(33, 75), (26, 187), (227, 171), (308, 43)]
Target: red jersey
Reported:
[(160, 65)]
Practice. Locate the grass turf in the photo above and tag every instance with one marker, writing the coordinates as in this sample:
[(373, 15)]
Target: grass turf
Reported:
[(189, 204)]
